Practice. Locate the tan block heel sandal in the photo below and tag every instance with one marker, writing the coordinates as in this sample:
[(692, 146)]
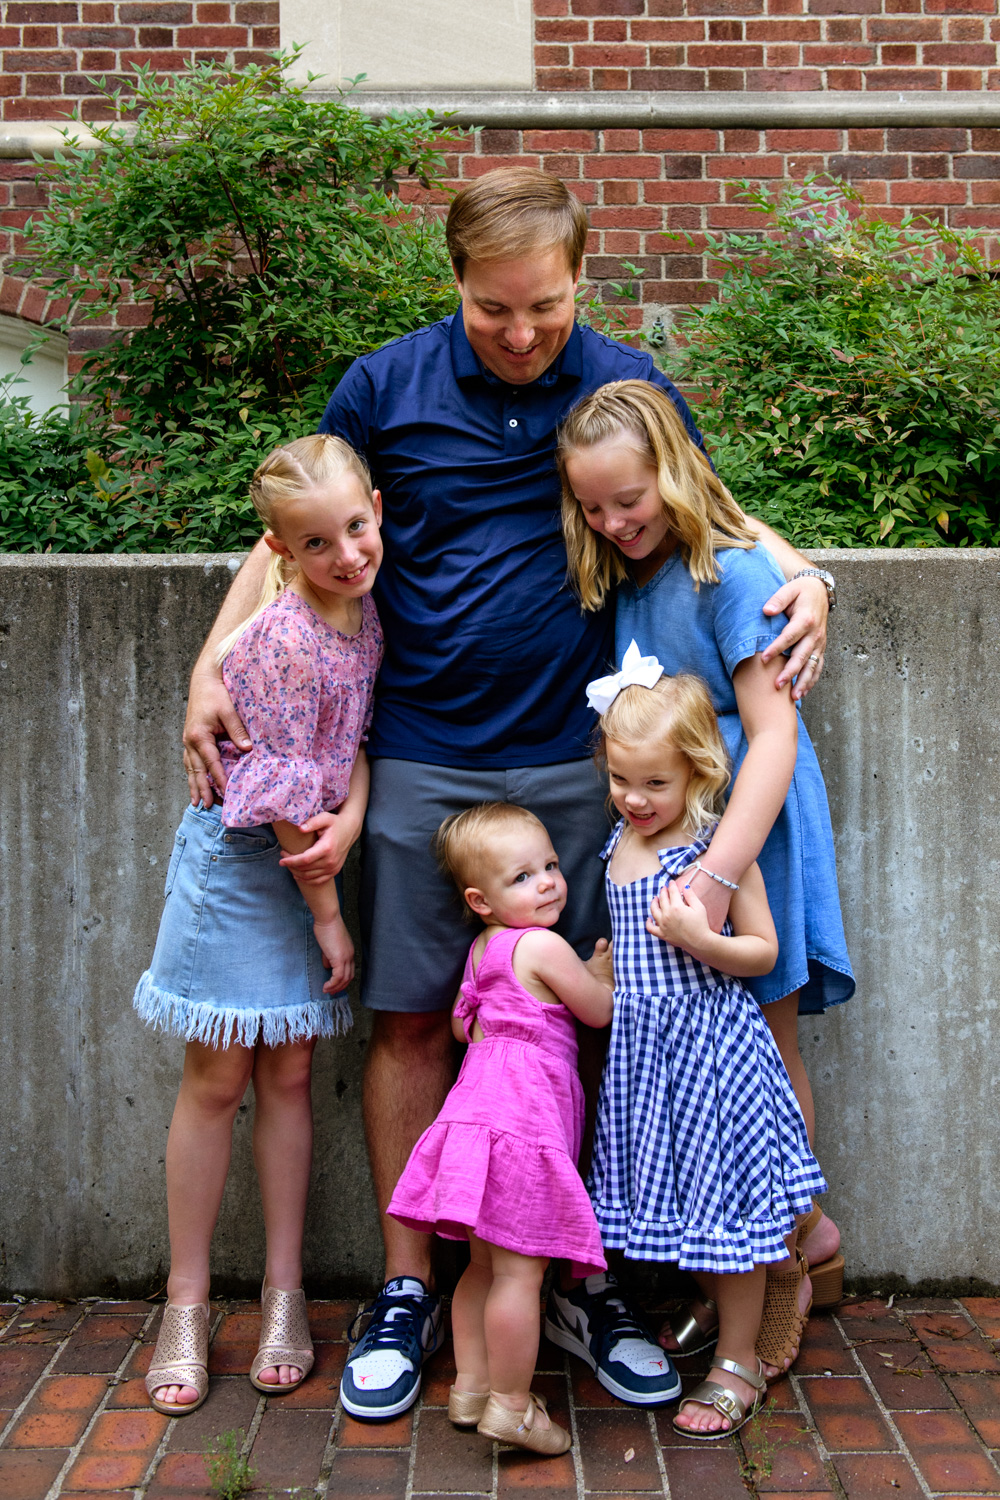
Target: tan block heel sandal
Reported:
[(284, 1339), (180, 1357), (827, 1276)]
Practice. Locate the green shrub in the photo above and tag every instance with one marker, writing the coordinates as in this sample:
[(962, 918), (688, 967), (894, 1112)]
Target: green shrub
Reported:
[(263, 237), (849, 373)]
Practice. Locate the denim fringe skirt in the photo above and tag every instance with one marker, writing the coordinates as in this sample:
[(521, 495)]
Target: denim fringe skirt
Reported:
[(235, 959)]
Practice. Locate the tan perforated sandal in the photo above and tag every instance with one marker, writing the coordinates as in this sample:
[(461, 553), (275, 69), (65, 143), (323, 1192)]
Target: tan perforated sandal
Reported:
[(507, 1426), (725, 1401), (284, 1339), (782, 1323), (180, 1357), (827, 1276)]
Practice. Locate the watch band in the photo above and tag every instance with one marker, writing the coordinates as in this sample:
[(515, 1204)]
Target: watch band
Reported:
[(827, 578)]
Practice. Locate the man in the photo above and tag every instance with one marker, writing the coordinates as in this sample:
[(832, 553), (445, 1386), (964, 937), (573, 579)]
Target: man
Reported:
[(481, 697)]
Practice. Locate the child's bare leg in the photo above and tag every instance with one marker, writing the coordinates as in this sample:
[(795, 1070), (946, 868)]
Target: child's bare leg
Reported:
[(782, 1016), (468, 1320), (198, 1151), (512, 1320), (282, 1148), (740, 1300)]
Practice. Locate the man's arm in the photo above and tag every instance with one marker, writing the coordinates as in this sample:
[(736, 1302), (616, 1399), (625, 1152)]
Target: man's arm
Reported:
[(210, 710), (807, 606)]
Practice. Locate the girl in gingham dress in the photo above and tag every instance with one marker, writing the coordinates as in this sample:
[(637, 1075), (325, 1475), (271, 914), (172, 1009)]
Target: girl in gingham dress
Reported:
[(701, 1156)]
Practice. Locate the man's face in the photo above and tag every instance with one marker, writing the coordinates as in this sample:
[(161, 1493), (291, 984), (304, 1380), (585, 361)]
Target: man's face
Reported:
[(518, 314)]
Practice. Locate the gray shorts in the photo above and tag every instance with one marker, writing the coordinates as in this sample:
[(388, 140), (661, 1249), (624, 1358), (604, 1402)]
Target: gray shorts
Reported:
[(414, 938)]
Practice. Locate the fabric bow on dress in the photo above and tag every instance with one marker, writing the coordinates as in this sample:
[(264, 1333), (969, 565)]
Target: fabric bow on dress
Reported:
[(467, 1005), (637, 671)]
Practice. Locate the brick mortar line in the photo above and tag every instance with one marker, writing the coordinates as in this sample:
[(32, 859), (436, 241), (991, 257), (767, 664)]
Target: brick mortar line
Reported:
[(658, 1452), (411, 1466), (574, 1430), (886, 1414), (55, 1488), (325, 1474), (8, 1426), (805, 1411)]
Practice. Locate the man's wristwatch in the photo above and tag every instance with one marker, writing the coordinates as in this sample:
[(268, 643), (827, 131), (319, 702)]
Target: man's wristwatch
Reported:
[(828, 579)]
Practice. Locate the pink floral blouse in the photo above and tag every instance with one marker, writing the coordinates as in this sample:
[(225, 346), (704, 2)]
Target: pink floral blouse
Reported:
[(304, 692)]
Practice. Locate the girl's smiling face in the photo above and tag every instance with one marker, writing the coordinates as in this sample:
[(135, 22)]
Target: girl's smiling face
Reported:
[(332, 532), (649, 785), (615, 487)]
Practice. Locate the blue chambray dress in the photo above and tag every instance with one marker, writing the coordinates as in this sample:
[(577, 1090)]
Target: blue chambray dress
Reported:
[(709, 631), (701, 1156)]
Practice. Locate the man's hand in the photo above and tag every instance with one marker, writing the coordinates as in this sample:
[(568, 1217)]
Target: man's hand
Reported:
[(210, 713), (807, 605), (600, 963), (676, 915), (325, 858), (338, 953)]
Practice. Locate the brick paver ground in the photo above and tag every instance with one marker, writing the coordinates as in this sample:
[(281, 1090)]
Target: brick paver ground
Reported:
[(889, 1401)]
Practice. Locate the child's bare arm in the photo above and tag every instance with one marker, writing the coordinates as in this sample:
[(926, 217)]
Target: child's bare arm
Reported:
[(678, 916), (322, 900), (584, 988)]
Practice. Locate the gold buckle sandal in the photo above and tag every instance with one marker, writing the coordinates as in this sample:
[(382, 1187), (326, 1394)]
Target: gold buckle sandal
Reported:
[(180, 1357), (689, 1336), (506, 1426), (725, 1401), (284, 1339)]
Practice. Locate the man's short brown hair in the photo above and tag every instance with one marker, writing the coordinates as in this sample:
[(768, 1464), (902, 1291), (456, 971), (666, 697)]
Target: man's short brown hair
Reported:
[(512, 212)]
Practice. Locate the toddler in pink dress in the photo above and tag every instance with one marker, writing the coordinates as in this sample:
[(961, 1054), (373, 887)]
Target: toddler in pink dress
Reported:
[(498, 1165)]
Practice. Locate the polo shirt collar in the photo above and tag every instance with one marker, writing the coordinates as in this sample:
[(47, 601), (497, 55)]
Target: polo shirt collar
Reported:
[(568, 364)]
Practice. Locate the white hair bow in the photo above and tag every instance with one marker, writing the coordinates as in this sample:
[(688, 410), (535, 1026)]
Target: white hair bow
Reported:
[(637, 671)]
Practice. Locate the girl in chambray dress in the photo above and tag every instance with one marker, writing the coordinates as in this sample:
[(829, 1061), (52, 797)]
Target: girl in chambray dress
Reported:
[(251, 965), (645, 517)]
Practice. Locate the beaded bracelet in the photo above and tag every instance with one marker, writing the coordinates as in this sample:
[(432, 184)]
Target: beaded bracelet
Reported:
[(729, 884)]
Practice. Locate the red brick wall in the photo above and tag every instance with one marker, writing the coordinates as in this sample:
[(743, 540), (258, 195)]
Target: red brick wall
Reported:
[(52, 47), (767, 44), (639, 185)]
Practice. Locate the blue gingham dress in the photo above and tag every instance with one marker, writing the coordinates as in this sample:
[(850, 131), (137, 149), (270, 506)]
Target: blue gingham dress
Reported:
[(701, 1156)]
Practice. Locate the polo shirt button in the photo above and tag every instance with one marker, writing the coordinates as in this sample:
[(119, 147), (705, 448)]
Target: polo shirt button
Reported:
[(512, 422)]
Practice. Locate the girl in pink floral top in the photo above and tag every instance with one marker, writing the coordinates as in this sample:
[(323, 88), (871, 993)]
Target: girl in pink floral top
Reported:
[(241, 959)]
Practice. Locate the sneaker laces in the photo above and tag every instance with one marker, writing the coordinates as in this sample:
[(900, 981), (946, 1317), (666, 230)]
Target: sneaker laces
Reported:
[(622, 1322), (381, 1332)]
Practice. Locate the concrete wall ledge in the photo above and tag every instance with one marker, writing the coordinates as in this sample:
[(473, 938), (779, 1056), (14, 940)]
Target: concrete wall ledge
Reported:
[(712, 110), (94, 657)]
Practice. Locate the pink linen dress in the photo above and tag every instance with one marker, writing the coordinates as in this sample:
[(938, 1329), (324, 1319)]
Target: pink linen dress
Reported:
[(500, 1159)]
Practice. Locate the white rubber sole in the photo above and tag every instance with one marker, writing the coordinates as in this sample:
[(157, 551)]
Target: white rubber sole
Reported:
[(568, 1341), (383, 1412)]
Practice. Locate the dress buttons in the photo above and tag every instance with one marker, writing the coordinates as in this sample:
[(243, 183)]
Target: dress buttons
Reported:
[(512, 422)]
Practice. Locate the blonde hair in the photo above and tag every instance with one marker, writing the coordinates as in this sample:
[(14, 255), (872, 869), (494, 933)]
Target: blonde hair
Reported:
[(515, 211), (463, 840), (287, 474), (677, 711), (699, 509)]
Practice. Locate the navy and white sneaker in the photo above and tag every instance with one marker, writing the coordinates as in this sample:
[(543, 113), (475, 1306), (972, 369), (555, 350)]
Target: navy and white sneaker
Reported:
[(595, 1322), (382, 1375)]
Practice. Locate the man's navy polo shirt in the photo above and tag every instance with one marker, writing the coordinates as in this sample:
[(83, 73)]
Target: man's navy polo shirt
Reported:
[(487, 650)]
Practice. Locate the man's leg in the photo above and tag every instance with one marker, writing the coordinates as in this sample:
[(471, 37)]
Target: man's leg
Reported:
[(415, 945), (408, 1072)]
